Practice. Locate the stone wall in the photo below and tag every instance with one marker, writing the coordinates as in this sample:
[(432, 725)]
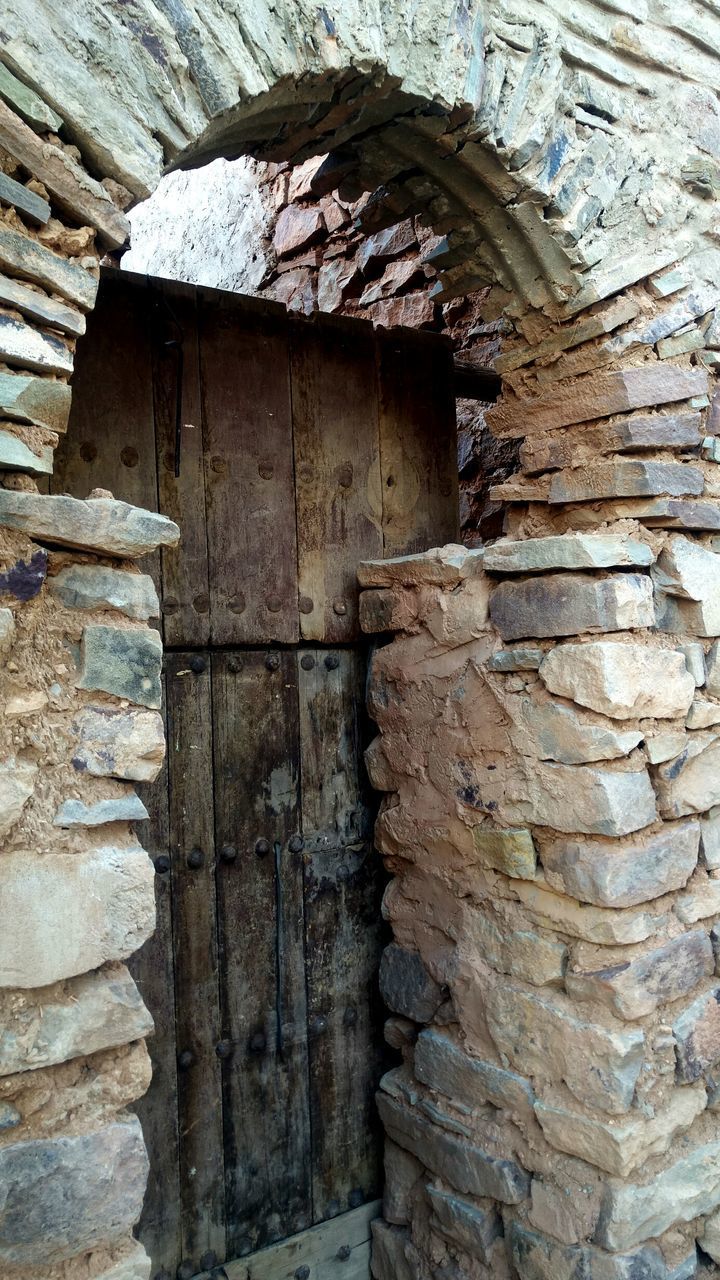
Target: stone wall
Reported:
[(552, 827)]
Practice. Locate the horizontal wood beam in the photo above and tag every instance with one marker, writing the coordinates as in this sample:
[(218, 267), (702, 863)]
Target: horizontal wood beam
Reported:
[(472, 383)]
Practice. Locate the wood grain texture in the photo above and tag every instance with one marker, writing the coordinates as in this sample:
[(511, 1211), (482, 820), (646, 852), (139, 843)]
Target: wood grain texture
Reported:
[(322, 1249), (337, 470), (249, 469), (418, 441), (261, 927), (202, 1192)]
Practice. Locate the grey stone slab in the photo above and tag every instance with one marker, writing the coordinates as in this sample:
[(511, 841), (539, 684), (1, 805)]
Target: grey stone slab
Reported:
[(472, 1226), (24, 346), (123, 661), (17, 784), (15, 455), (118, 743), (515, 660), (566, 551), (64, 1196), (688, 1188), (83, 1015), (623, 873), (90, 586), (406, 986), (565, 604), (636, 987), (636, 432), (35, 400), (697, 1036), (27, 202), (389, 1260), (467, 1167), (443, 1065), (97, 524), (553, 731), (537, 1256), (440, 566), (26, 258), (39, 306), (625, 479), (127, 808), (27, 103)]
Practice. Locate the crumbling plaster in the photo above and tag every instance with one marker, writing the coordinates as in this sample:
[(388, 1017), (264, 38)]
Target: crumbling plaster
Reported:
[(555, 1111)]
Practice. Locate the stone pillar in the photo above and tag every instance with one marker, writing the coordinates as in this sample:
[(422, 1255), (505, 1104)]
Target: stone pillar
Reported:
[(549, 715)]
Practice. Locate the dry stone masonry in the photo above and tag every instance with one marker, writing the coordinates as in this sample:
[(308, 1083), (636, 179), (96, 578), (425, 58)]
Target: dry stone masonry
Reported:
[(548, 706)]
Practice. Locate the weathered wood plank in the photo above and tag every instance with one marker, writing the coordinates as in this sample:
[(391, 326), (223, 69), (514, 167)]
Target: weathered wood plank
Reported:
[(337, 469), (110, 442), (322, 1249), (184, 570), (265, 1086), (71, 188), (153, 969), (250, 496), (190, 731), (418, 441), (343, 890)]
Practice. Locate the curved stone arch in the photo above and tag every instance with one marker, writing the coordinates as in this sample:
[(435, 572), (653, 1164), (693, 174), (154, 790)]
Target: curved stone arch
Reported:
[(568, 156)]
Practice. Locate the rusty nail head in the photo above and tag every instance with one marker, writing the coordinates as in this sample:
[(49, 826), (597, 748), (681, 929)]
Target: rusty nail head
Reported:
[(302, 1273), (307, 662), (332, 661), (344, 1252), (208, 1260), (197, 664), (339, 607), (305, 604), (162, 864), (185, 1060), (235, 665), (170, 604), (318, 1025), (274, 604), (223, 1049), (262, 848), (272, 662), (345, 476), (350, 1016), (228, 853), (296, 844), (195, 859), (218, 464), (201, 603), (236, 603), (129, 456), (265, 469)]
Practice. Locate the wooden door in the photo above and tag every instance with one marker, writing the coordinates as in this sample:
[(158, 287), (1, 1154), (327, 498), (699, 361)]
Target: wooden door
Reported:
[(288, 450)]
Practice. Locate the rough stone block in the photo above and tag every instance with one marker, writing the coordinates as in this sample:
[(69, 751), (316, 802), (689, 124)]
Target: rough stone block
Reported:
[(694, 656), (703, 714), (532, 957), (709, 1238), (540, 1257), (37, 305), (598, 396), (402, 1173), (443, 1065), (690, 783), (624, 681), (125, 808), (566, 604), (97, 524), (25, 346), (589, 798), (30, 260), (687, 569), (91, 586), (515, 660), (7, 630), (70, 1019), (15, 455), (406, 986), (68, 1195), (119, 744), (509, 851), (683, 1190), (697, 1036), (440, 566), (388, 1260), (297, 228), (123, 661), (467, 1167), (569, 551), (640, 431), (623, 873), (64, 914), (660, 747), (625, 479), (472, 1226), (619, 1146), (710, 840), (35, 400), (604, 925), (553, 731), (130, 1262), (700, 900), (634, 988), (17, 784), (543, 1036)]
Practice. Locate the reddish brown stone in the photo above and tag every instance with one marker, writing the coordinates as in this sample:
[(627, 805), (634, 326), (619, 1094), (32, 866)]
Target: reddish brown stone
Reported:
[(296, 229)]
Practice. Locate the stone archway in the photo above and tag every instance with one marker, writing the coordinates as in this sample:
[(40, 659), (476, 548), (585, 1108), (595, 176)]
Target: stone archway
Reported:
[(570, 159)]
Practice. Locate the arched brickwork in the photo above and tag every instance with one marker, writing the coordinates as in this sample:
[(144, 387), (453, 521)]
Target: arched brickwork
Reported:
[(548, 709)]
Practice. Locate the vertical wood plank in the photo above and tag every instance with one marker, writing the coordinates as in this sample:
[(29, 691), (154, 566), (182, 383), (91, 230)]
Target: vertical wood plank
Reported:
[(337, 469), (265, 1087), (153, 969), (418, 441), (176, 370), (110, 442), (249, 468), (196, 961), (343, 890)]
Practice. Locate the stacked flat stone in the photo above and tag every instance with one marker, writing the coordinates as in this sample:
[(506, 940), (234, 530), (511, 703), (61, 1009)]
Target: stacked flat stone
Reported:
[(549, 715)]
